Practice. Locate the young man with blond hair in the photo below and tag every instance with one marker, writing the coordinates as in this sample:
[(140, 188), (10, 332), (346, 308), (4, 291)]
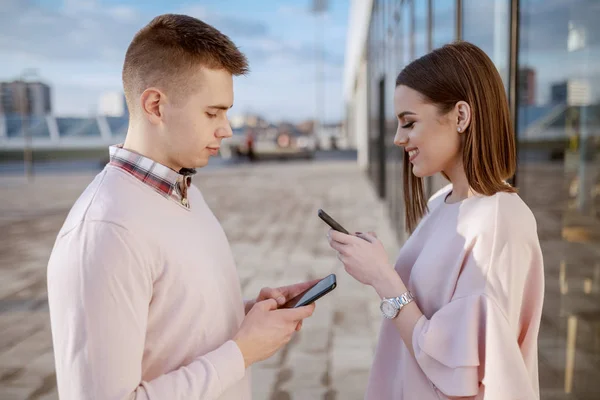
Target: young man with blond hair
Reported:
[(144, 296)]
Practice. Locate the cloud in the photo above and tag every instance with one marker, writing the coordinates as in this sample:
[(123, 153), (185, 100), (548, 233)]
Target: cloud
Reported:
[(291, 10), (78, 31), (228, 24), (85, 30), (78, 48), (269, 49)]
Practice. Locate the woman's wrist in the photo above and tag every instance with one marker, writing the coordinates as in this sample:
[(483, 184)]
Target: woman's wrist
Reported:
[(389, 284)]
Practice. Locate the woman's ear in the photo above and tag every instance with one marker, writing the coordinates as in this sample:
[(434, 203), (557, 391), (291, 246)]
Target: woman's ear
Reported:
[(463, 116)]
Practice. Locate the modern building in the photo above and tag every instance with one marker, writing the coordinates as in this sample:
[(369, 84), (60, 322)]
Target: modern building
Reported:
[(20, 97), (548, 55)]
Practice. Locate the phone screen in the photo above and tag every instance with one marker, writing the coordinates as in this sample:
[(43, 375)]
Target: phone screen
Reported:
[(315, 292)]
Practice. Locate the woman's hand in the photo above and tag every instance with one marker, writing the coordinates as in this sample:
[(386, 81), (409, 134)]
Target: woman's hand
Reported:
[(363, 256)]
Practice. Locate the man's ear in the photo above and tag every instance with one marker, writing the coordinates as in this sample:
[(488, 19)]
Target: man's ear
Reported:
[(152, 100)]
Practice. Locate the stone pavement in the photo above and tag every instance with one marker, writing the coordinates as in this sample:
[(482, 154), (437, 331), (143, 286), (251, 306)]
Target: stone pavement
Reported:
[(269, 214)]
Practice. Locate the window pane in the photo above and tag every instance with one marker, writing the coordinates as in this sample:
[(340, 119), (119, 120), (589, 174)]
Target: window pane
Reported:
[(444, 22), (420, 35), (559, 173), (486, 23), (407, 29)]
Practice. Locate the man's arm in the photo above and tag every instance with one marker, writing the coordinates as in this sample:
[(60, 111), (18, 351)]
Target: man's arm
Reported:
[(99, 289)]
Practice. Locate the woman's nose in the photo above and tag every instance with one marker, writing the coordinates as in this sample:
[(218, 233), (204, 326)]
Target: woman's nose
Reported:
[(400, 139)]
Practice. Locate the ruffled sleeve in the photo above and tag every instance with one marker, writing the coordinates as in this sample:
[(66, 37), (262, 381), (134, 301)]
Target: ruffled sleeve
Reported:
[(468, 343)]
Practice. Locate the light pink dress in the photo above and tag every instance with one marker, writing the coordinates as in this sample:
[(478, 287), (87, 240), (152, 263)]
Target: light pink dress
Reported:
[(476, 271)]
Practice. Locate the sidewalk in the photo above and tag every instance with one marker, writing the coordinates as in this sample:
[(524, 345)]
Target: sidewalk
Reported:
[(269, 214)]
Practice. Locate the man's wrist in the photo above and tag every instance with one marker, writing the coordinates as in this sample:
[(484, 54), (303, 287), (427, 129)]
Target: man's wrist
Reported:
[(247, 361)]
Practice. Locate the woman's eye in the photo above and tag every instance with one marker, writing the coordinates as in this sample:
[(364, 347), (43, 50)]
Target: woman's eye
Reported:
[(408, 125)]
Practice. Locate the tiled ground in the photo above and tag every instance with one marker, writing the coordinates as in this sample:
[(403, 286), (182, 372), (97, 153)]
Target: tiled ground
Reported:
[(269, 214)]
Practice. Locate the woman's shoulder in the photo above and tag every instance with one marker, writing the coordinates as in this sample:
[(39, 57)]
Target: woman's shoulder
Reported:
[(501, 218)]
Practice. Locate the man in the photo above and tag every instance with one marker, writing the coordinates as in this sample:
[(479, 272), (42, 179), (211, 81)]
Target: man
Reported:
[(144, 297)]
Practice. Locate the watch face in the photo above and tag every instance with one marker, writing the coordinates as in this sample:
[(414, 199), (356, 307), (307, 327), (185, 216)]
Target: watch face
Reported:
[(388, 310)]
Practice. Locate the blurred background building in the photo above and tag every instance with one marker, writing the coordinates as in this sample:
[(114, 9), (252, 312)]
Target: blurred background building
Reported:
[(20, 97)]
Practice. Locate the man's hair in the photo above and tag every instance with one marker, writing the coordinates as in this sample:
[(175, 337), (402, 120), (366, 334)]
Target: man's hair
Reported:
[(165, 52)]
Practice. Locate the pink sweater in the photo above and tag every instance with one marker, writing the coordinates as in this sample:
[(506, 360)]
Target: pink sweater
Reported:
[(476, 270), (144, 298)]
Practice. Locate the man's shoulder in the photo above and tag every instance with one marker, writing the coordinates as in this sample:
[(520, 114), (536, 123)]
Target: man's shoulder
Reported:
[(111, 197)]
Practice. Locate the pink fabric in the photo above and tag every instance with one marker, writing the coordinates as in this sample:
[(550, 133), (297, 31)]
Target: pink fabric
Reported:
[(476, 270), (144, 298)]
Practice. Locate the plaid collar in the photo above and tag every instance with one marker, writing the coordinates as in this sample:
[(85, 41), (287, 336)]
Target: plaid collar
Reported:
[(164, 180)]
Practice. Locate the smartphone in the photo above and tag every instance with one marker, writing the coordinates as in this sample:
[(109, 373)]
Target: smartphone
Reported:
[(313, 293), (331, 222)]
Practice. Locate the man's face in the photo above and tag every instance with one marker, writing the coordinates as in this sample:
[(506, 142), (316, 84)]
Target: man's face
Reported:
[(192, 128)]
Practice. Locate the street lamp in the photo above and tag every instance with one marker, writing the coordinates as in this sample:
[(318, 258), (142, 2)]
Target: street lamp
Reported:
[(25, 115), (319, 8)]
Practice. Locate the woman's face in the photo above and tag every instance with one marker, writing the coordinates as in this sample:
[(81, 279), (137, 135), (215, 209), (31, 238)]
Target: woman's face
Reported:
[(432, 141)]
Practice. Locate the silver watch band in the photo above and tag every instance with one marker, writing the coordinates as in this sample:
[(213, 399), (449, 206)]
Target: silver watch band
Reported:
[(402, 300)]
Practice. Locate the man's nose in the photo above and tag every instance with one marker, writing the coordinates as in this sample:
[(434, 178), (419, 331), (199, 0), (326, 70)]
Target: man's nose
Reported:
[(225, 131)]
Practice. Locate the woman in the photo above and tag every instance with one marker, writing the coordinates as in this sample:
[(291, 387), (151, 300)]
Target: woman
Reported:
[(464, 301)]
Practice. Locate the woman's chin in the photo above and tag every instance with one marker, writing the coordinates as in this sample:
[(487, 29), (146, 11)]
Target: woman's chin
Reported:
[(419, 173)]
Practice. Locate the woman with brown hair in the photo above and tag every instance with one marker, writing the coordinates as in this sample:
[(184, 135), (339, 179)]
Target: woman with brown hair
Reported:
[(463, 303)]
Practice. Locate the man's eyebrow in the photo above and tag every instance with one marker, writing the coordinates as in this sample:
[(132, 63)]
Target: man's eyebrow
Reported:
[(221, 107)]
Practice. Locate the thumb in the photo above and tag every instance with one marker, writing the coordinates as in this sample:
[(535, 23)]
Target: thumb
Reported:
[(267, 305), (278, 296)]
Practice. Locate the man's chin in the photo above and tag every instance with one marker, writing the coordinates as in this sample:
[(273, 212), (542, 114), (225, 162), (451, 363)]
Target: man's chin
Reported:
[(203, 162)]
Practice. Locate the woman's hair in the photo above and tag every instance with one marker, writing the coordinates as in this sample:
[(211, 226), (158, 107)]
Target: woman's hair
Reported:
[(455, 72)]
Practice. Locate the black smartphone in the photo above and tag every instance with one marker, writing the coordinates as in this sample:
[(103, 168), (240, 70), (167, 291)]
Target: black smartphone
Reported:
[(331, 222), (313, 293)]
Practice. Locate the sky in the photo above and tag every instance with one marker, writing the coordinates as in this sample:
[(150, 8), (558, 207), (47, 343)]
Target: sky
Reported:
[(78, 47)]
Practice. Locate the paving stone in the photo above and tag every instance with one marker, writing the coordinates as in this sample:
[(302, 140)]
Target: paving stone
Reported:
[(268, 212)]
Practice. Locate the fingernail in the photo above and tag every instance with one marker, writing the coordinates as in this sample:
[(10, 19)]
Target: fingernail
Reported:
[(281, 299)]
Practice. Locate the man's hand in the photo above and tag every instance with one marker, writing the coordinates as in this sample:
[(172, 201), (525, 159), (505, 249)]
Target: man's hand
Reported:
[(266, 329), (281, 295)]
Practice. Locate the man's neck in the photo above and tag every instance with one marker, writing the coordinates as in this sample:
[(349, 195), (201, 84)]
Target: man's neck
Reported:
[(137, 142)]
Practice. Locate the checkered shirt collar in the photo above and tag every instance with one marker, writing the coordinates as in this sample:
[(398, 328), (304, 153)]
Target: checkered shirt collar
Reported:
[(171, 184)]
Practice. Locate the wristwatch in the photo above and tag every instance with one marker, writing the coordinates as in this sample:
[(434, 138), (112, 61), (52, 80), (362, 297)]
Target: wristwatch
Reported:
[(390, 307)]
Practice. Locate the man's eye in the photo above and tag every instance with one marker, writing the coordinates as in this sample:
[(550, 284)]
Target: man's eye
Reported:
[(211, 115), (408, 125)]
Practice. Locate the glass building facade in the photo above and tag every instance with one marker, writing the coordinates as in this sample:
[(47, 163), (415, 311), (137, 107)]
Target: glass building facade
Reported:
[(548, 54)]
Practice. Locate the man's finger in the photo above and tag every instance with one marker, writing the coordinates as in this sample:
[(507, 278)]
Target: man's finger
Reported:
[(268, 304), (270, 293), (299, 326), (294, 290), (298, 314)]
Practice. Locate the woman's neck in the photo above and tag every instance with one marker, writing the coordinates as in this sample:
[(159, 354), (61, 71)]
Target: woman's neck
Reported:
[(460, 184)]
